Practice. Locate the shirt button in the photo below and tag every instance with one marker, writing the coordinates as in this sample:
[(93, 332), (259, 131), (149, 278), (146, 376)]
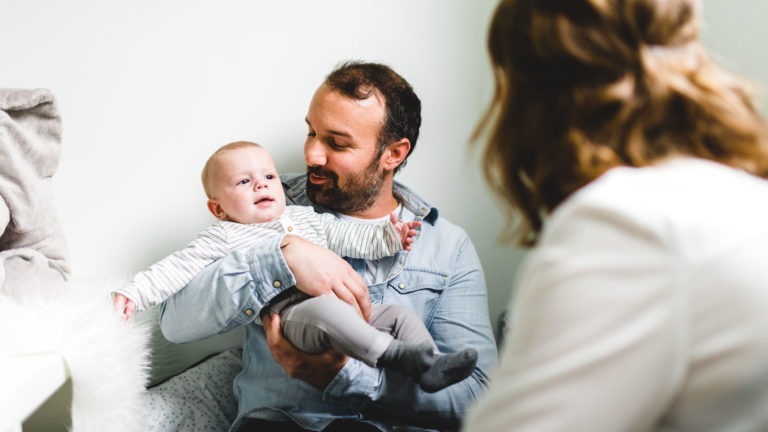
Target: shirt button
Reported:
[(401, 285), (277, 284), (290, 229), (249, 312)]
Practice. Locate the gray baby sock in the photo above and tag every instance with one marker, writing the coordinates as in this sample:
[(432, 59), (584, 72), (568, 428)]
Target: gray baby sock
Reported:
[(448, 369), (431, 371)]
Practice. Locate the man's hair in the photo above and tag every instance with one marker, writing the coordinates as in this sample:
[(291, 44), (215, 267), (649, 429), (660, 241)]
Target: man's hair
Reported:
[(361, 80), (208, 167), (586, 85)]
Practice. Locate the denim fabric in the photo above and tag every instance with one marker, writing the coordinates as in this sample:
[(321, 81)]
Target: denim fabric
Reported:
[(441, 278), (258, 425)]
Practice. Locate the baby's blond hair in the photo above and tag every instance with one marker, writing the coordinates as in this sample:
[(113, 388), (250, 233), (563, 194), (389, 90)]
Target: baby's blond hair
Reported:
[(208, 167)]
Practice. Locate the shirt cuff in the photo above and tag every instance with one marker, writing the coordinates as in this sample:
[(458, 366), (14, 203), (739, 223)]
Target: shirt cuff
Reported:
[(354, 384), (269, 271)]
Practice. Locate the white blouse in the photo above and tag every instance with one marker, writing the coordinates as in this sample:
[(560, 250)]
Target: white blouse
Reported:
[(643, 308)]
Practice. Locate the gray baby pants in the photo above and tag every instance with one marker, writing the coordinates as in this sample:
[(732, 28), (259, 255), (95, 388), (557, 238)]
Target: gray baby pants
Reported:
[(318, 323)]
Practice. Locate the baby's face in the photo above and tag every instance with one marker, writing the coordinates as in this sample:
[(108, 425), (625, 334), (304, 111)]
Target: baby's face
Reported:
[(246, 186)]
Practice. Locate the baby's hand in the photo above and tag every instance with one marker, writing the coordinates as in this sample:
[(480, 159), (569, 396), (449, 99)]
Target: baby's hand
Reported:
[(407, 230), (124, 306)]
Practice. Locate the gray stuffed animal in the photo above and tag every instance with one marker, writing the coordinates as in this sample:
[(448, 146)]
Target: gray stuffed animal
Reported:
[(33, 252)]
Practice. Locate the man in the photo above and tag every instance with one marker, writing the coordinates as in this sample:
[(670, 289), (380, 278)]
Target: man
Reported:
[(363, 124)]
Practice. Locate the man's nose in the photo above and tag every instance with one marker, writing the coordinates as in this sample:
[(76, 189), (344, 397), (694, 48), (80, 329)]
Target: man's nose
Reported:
[(314, 152)]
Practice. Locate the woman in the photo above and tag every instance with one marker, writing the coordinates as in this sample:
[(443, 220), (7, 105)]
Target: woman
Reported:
[(637, 169)]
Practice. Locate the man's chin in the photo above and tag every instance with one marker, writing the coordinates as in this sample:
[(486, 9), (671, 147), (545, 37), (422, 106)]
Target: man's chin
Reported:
[(323, 197), (315, 193)]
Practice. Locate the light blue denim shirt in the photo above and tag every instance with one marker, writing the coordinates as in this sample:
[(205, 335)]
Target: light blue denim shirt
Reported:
[(441, 278)]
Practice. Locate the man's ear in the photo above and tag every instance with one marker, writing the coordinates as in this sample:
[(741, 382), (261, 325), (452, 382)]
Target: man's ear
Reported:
[(395, 154), (216, 210)]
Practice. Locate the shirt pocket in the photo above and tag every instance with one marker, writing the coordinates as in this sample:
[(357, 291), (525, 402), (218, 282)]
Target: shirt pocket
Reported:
[(418, 289)]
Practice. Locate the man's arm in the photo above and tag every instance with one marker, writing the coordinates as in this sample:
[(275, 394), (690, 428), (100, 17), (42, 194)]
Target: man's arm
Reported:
[(334, 276), (169, 275), (227, 293), (231, 291), (319, 271)]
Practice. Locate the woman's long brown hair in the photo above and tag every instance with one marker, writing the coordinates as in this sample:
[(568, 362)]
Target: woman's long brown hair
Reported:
[(586, 85)]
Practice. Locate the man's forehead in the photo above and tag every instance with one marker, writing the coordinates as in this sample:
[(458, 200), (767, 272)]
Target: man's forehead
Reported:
[(365, 94), (333, 98), (374, 96), (370, 100)]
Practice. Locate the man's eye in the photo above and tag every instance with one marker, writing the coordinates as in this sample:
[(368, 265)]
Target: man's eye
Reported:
[(333, 144), (312, 134)]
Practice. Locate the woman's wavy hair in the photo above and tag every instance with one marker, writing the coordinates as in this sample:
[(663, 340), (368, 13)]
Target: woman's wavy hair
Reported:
[(586, 85)]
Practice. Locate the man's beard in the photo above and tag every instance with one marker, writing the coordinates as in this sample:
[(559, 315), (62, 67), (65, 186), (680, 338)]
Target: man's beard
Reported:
[(357, 194)]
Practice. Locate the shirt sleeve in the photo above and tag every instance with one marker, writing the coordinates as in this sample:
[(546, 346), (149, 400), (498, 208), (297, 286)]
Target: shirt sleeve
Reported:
[(597, 332), (360, 240), (227, 293), (169, 275)]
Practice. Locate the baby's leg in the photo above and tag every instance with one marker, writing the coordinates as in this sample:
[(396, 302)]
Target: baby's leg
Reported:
[(430, 370), (414, 353), (319, 323), (401, 322)]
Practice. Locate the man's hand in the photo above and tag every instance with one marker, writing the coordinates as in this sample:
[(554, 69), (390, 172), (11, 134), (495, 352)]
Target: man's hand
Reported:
[(319, 271), (316, 369)]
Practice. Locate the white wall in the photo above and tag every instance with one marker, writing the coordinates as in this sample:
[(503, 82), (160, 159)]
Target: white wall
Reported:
[(736, 34), (148, 89)]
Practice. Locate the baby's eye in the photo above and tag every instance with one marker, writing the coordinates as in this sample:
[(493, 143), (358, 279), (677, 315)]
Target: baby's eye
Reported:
[(244, 181), (270, 176)]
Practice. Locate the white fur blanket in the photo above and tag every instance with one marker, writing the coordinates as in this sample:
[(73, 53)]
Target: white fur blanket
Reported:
[(107, 358)]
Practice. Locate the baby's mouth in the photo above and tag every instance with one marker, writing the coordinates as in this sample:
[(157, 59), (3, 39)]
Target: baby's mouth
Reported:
[(263, 200)]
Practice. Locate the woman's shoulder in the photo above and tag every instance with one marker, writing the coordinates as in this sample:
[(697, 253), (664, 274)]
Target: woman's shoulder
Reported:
[(682, 193), (673, 183)]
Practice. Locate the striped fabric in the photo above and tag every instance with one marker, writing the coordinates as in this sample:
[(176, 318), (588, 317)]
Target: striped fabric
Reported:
[(174, 272)]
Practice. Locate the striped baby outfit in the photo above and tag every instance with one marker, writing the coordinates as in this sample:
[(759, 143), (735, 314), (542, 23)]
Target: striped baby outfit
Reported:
[(174, 272)]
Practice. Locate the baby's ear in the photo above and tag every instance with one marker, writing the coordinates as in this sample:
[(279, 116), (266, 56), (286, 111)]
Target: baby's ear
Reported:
[(216, 210)]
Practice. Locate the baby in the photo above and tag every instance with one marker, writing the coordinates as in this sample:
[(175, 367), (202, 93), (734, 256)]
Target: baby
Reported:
[(245, 193)]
